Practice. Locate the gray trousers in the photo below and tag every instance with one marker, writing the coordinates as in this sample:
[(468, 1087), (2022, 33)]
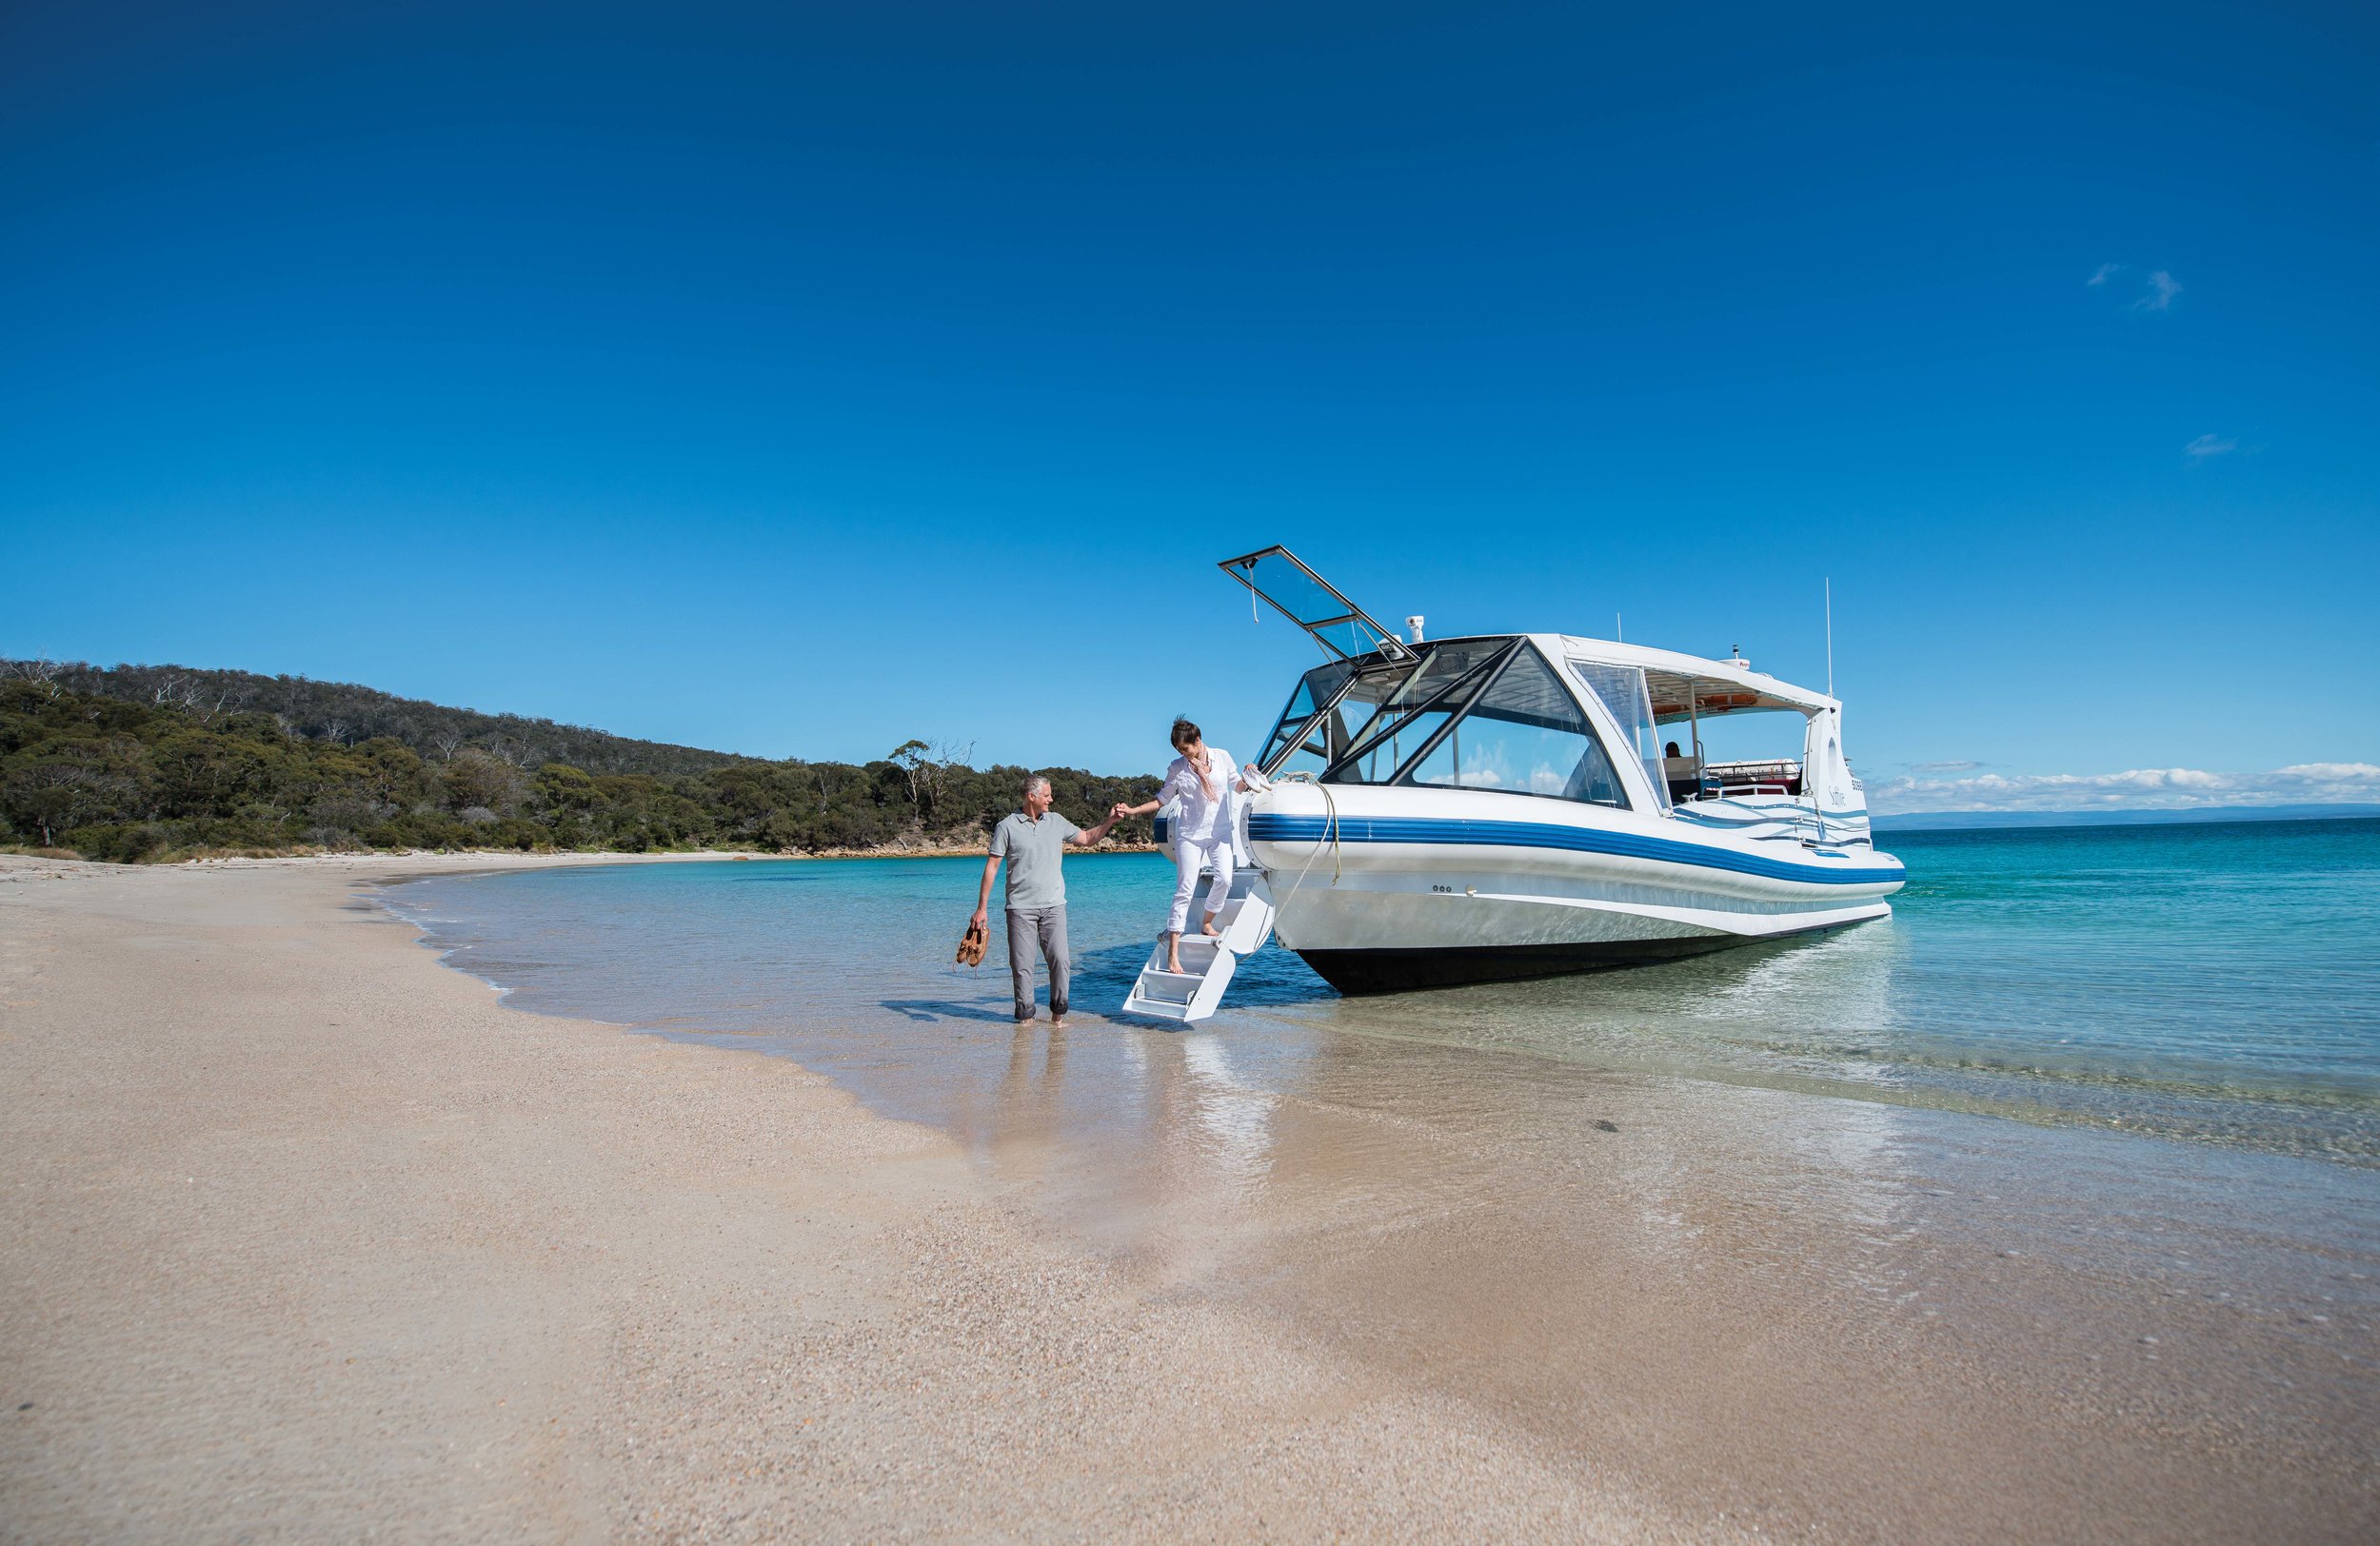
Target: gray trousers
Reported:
[(1047, 925)]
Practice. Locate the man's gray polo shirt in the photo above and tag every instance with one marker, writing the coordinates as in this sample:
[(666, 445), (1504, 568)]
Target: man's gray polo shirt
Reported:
[(1033, 850)]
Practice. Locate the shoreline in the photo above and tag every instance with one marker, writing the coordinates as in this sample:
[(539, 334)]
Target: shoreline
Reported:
[(312, 1236), (973, 850)]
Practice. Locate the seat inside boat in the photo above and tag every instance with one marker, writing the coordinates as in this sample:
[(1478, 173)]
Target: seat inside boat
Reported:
[(1682, 772), (1713, 730)]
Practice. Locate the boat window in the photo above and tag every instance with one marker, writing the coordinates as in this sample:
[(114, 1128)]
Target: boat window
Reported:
[(1525, 734), (1622, 692), (1351, 696), (1351, 700), (1386, 753), (1451, 675), (1316, 691)]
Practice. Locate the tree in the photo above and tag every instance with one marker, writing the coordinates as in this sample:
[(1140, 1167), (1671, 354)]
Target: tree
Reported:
[(913, 758), (563, 787), (474, 779), (200, 773), (42, 673), (928, 771)]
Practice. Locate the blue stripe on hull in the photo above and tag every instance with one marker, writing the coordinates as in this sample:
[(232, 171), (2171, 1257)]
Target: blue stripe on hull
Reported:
[(1457, 831)]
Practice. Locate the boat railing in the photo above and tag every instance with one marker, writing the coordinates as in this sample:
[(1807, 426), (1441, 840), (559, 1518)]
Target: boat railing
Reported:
[(1734, 780)]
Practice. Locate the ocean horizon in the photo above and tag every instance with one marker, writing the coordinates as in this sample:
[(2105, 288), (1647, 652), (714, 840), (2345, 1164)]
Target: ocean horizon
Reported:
[(1960, 821)]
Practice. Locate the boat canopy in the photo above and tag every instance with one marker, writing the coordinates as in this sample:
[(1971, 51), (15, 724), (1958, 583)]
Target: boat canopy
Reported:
[(1682, 687)]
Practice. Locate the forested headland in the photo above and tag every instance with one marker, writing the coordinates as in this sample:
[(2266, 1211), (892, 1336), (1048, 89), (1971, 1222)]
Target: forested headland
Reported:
[(160, 762)]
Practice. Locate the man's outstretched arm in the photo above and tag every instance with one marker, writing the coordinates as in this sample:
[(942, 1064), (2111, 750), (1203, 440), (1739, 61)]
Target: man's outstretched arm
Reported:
[(1095, 835)]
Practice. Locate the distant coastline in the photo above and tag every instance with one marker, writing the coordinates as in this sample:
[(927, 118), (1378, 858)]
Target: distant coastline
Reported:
[(150, 764), (1970, 820)]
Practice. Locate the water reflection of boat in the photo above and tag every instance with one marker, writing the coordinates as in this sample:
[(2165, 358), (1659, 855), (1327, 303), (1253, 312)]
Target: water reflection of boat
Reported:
[(1501, 806)]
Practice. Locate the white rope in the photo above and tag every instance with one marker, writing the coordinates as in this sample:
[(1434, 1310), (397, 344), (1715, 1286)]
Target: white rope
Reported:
[(1330, 834)]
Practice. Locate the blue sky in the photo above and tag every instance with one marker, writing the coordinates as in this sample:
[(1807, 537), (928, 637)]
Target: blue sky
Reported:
[(796, 380)]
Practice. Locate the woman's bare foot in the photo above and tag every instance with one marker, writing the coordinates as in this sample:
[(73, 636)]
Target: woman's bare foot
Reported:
[(1206, 926)]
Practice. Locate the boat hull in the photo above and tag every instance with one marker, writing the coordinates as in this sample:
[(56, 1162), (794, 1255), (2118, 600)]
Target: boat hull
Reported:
[(1359, 973), (1387, 890)]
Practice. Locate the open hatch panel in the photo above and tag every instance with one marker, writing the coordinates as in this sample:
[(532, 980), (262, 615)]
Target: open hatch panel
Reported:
[(1314, 604)]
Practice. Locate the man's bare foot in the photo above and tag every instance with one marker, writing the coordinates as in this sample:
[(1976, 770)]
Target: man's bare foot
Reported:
[(1057, 1022)]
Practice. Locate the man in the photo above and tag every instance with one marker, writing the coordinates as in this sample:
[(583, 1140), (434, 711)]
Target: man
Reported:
[(1036, 892)]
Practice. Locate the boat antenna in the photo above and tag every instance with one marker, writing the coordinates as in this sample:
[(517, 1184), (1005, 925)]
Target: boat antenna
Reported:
[(1618, 633), (1830, 636)]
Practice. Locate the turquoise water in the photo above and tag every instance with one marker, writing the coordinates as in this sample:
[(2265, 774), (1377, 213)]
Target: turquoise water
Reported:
[(2214, 983)]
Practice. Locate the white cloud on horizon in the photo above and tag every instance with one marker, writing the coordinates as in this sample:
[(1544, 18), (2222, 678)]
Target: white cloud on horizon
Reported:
[(2149, 788), (2106, 271), (2206, 445), (1968, 766), (2162, 288)]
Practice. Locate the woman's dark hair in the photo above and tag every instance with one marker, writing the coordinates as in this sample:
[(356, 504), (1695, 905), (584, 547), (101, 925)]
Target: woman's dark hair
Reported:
[(1184, 732)]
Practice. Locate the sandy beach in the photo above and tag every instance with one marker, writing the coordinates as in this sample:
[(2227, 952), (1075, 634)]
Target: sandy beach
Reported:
[(308, 1236)]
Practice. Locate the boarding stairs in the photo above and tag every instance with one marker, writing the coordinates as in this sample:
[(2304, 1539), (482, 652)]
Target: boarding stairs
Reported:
[(1207, 960)]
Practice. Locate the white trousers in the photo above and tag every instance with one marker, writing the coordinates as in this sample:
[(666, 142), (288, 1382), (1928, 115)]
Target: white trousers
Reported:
[(1191, 854)]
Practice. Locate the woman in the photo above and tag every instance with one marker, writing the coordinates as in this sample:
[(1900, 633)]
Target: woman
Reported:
[(1204, 781)]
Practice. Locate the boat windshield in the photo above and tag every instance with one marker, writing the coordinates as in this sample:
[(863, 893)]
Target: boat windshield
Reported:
[(1471, 713), (1524, 735), (1449, 677), (1307, 738), (1366, 704)]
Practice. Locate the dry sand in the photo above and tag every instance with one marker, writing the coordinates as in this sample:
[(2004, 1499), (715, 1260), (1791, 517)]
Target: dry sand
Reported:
[(306, 1237)]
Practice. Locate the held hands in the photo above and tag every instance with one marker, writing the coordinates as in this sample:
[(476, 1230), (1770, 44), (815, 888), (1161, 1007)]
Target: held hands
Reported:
[(1118, 811)]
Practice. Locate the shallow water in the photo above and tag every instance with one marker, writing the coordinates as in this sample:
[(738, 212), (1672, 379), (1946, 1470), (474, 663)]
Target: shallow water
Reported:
[(2218, 984)]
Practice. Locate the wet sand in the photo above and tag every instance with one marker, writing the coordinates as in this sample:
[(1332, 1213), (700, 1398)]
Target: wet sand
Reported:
[(1806, 1317), (310, 1237)]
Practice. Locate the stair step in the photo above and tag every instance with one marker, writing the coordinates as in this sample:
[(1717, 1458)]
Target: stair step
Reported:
[(1208, 960), (1168, 987)]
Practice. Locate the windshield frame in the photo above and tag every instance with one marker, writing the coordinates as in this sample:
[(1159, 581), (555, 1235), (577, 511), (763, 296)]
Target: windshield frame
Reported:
[(1397, 677)]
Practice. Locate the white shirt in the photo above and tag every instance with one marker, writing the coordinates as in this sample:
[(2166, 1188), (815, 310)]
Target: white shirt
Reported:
[(1202, 820)]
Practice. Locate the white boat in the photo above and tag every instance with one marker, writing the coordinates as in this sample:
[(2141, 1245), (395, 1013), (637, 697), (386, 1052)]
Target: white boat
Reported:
[(1501, 806)]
